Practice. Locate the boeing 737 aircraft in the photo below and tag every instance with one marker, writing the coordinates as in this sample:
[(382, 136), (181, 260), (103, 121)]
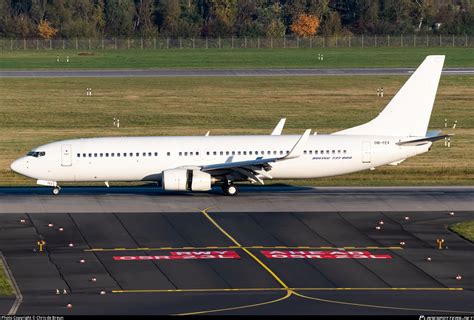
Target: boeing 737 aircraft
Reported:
[(194, 163)]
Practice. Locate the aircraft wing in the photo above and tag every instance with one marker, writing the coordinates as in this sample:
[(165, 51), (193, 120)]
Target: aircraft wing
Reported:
[(251, 169)]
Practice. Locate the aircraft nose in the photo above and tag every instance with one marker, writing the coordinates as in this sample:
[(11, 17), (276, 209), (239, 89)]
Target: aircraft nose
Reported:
[(18, 166)]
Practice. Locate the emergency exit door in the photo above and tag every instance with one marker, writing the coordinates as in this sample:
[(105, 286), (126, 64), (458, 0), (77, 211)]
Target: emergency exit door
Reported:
[(366, 154), (66, 155)]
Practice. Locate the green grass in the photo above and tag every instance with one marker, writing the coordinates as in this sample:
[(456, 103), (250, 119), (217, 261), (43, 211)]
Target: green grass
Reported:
[(37, 111), (6, 288), (464, 229), (233, 58)]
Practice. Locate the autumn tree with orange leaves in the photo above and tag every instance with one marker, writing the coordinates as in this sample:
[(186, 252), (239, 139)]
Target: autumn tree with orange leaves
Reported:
[(45, 30), (305, 25)]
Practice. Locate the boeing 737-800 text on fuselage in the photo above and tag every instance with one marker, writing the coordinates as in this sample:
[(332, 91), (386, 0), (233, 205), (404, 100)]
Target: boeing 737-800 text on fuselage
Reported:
[(194, 163)]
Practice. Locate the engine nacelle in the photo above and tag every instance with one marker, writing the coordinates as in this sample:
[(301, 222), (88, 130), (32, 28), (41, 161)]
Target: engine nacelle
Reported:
[(186, 180)]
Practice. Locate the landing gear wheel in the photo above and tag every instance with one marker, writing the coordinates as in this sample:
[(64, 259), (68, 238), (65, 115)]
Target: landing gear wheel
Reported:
[(229, 189), (56, 190)]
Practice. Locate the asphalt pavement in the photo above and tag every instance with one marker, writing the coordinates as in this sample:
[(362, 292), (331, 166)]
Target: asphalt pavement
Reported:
[(246, 261)]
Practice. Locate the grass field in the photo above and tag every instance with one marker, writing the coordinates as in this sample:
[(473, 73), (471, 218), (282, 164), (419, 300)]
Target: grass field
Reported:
[(233, 58), (6, 288), (464, 229), (36, 111)]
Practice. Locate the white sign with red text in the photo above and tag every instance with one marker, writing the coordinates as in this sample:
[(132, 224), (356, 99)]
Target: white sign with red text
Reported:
[(184, 255), (331, 254)]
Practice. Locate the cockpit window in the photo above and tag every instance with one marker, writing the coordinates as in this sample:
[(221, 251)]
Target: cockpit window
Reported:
[(36, 154)]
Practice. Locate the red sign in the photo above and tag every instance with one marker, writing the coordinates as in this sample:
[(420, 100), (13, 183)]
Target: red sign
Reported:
[(184, 255), (342, 254)]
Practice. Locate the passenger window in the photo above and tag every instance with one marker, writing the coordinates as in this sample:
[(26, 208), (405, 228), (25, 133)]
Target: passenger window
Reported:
[(327, 151), (269, 152), (333, 152), (310, 151), (156, 154), (112, 154), (180, 154), (227, 153), (118, 154), (305, 152), (78, 155), (262, 153), (186, 153), (107, 154), (101, 155), (233, 153), (207, 153), (250, 152), (239, 153), (274, 152), (84, 155), (315, 151), (95, 155), (214, 153), (131, 154), (124, 154), (149, 154), (344, 151), (190, 153), (168, 154)]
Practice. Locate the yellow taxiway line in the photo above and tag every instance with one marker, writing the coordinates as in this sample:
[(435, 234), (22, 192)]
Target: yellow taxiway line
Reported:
[(240, 247), (279, 289), (254, 257)]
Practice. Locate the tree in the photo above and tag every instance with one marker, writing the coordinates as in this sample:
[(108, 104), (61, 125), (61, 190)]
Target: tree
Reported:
[(424, 10), (246, 19), (119, 16), (169, 12), (332, 24), (45, 30), (221, 18), (144, 18), (270, 20), (305, 26)]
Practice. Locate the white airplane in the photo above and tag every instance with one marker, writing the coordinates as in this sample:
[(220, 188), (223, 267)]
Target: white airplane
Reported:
[(194, 163)]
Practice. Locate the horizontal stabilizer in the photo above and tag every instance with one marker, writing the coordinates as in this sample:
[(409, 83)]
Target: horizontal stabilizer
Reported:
[(421, 141)]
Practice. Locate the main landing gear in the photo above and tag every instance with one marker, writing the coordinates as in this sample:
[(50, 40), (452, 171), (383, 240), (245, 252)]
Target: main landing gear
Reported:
[(229, 189), (56, 190)]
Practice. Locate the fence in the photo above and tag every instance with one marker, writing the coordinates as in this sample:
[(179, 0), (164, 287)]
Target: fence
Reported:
[(360, 41)]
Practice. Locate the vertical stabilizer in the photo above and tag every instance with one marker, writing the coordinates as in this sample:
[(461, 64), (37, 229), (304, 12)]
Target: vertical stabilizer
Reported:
[(409, 111)]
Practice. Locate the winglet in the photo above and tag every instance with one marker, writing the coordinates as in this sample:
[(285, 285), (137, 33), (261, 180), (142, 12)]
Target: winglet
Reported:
[(299, 146), (279, 127)]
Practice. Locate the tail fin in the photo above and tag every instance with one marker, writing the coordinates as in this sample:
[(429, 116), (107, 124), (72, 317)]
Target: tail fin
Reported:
[(409, 111)]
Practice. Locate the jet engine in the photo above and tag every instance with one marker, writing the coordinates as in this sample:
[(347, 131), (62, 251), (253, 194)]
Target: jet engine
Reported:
[(186, 180)]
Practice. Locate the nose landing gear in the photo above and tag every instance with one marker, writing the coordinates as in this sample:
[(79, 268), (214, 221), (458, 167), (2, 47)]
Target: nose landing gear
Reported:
[(56, 190)]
